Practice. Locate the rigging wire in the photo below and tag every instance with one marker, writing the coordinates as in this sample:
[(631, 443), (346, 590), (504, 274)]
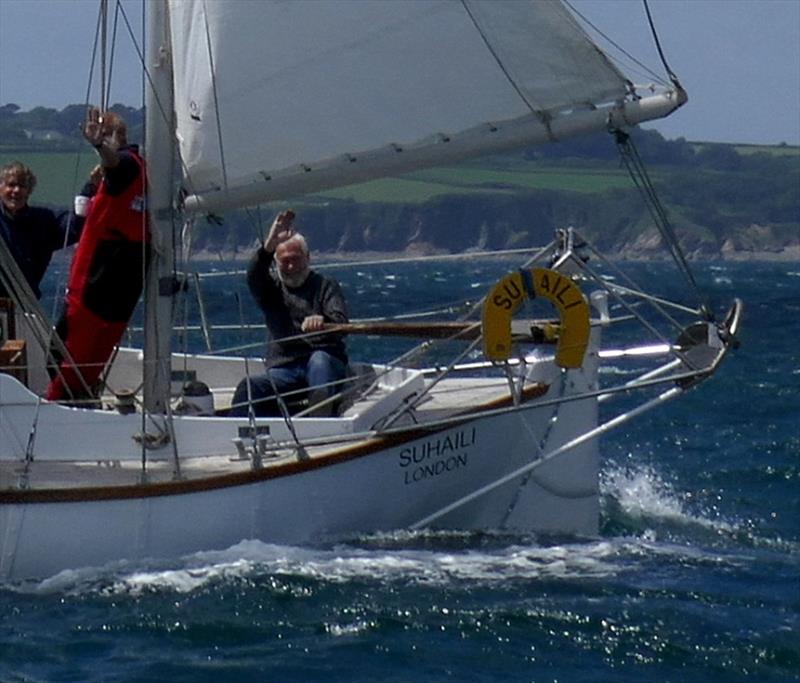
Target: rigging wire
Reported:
[(669, 71), (394, 260), (107, 52), (636, 169), (107, 94), (103, 23), (646, 69), (638, 173)]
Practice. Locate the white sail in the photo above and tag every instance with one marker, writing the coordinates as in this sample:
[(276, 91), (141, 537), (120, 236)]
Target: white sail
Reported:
[(309, 94)]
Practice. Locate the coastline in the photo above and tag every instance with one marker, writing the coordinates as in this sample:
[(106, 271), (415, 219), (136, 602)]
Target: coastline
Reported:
[(788, 255)]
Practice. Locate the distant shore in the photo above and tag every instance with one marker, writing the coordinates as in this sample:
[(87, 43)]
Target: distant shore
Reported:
[(789, 255)]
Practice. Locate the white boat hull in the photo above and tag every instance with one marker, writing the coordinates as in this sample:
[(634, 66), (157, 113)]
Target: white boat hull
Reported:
[(60, 513), (390, 489)]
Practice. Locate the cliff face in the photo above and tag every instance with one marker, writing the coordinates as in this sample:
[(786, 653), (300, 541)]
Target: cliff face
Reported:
[(780, 242), (617, 224), (722, 202)]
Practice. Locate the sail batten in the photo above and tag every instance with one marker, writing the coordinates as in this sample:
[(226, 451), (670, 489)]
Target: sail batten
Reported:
[(310, 94)]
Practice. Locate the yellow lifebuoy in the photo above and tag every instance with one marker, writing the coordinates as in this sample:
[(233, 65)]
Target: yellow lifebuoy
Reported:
[(507, 296)]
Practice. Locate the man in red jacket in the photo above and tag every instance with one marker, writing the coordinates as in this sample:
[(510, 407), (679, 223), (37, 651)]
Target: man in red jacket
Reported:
[(107, 271)]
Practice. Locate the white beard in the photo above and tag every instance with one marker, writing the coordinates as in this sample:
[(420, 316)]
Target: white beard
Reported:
[(294, 280)]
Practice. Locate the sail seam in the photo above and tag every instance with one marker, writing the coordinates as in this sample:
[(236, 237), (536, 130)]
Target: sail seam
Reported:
[(543, 117), (223, 165)]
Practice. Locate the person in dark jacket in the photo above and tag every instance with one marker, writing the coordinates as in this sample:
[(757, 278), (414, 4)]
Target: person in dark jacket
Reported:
[(297, 303), (31, 233)]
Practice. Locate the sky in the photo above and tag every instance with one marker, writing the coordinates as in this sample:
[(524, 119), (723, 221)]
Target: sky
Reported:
[(739, 60)]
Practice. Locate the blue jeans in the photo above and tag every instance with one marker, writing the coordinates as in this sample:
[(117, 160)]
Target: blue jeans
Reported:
[(319, 369)]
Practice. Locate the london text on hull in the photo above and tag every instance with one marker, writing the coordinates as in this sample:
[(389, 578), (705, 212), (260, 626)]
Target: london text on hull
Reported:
[(436, 456)]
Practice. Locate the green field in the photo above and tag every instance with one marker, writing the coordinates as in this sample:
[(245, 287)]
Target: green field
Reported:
[(775, 150), (469, 179), (747, 149), (60, 175), (404, 190)]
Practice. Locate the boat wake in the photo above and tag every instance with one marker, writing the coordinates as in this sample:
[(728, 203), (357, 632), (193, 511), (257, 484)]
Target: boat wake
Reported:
[(382, 559), (296, 572)]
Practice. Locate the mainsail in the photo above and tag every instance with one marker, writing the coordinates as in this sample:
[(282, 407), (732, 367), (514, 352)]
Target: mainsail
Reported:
[(275, 99)]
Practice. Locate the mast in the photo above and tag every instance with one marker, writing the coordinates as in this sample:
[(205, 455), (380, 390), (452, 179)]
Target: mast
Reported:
[(160, 155)]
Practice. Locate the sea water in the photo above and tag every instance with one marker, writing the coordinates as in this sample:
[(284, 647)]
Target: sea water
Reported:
[(695, 575)]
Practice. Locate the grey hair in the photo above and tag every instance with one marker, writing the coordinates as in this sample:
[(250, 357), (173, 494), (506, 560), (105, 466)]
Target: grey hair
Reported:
[(16, 169), (300, 239)]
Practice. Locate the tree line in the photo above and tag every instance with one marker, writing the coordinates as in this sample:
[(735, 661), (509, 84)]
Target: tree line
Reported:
[(717, 194), (48, 129)]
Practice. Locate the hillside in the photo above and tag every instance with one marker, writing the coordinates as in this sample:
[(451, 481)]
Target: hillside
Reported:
[(725, 201)]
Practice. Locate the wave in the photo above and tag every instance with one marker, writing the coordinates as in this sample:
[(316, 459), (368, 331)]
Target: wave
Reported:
[(617, 370), (642, 494), (639, 501)]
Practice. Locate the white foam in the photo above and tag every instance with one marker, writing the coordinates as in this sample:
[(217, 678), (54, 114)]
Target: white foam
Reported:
[(642, 493), (617, 370), (339, 630), (347, 563)]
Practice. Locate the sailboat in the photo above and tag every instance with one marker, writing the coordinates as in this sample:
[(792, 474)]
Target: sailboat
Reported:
[(263, 101)]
